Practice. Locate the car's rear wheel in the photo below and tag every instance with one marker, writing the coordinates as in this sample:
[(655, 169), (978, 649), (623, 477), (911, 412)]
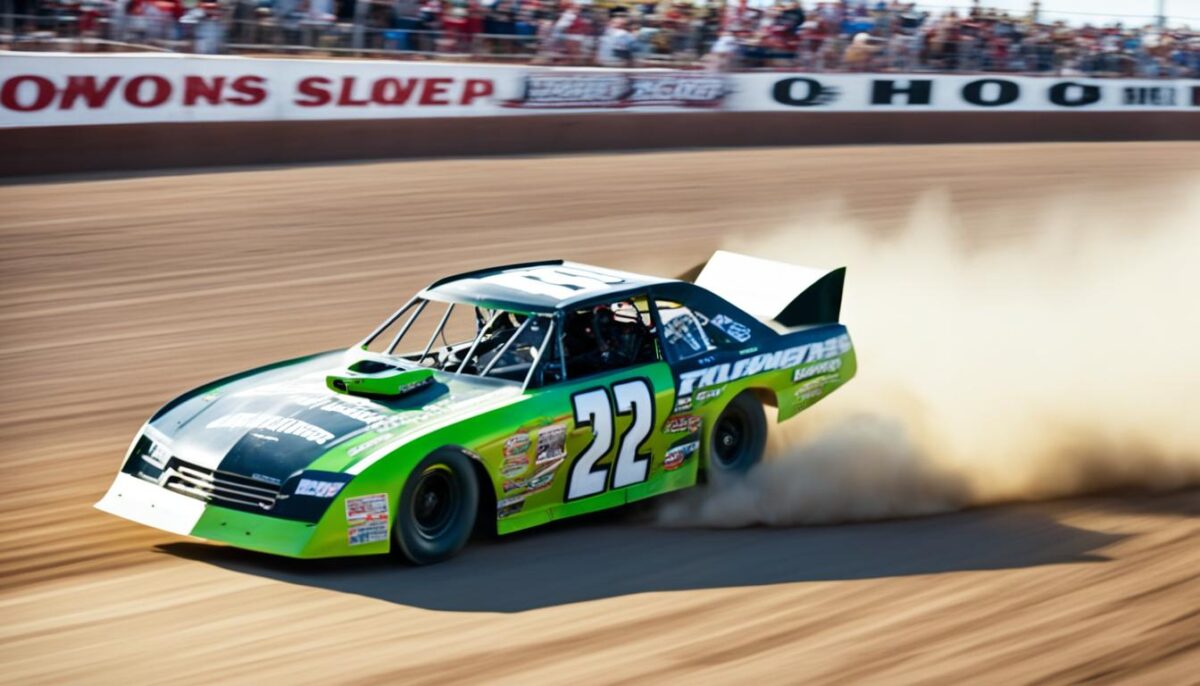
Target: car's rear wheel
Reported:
[(738, 437), (437, 508)]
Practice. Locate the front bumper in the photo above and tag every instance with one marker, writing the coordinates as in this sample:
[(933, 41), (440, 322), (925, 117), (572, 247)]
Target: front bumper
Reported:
[(145, 503)]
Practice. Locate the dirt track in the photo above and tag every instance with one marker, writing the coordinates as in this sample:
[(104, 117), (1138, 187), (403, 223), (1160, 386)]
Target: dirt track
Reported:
[(118, 294)]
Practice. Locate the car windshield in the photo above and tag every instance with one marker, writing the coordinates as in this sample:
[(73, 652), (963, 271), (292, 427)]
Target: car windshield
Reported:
[(464, 339)]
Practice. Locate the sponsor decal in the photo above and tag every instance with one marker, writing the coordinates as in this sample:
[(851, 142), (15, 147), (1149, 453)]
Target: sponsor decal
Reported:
[(353, 408), (510, 501), (410, 387), (551, 443), (561, 90), (543, 478), (517, 444), (732, 328), (706, 395), (370, 532), (817, 369), (676, 456), (320, 489), (264, 477), (684, 329), (683, 404), (509, 510), (157, 455), (540, 487), (536, 483), (515, 465), (813, 388), (376, 417), (806, 394), (763, 362), (426, 413), (367, 445), (367, 519), (817, 382), (289, 426), (682, 423), (365, 507)]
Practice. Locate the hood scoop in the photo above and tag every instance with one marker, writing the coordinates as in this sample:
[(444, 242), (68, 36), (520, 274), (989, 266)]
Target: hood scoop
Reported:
[(374, 379)]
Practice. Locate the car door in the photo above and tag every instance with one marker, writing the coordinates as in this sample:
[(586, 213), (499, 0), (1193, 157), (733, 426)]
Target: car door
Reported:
[(615, 446), (587, 444)]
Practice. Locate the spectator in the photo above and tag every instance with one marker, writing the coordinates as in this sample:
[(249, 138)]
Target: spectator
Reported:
[(615, 48), (723, 55), (854, 35), (859, 54)]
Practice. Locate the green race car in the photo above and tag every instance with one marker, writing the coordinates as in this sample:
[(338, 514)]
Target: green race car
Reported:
[(507, 397)]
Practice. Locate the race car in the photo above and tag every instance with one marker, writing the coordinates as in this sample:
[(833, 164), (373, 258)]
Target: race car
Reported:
[(501, 399)]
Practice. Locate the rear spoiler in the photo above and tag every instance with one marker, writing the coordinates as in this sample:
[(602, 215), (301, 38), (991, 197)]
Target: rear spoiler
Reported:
[(773, 291)]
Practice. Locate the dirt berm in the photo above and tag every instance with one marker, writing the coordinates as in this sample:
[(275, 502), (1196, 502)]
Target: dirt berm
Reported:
[(72, 149)]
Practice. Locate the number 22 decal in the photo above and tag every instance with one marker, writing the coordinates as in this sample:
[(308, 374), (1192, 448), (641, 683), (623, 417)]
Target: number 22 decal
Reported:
[(594, 408)]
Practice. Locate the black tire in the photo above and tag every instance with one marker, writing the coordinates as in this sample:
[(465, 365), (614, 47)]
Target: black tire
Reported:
[(738, 437), (437, 508)]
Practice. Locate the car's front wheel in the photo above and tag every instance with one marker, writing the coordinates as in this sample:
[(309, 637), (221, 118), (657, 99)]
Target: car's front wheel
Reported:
[(738, 437), (437, 508)]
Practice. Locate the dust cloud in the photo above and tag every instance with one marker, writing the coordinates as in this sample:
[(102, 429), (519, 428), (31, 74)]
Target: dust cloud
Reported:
[(1005, 353)]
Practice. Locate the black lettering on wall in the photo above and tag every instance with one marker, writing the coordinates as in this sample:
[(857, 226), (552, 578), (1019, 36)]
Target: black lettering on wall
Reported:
[(1005, 92), (916, 92)]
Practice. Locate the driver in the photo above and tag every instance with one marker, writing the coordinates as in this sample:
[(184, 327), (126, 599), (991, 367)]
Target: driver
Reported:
[(618, 339), (600, 339)]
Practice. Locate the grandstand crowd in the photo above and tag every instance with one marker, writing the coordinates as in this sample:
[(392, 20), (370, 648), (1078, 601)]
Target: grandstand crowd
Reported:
[(835, 35)]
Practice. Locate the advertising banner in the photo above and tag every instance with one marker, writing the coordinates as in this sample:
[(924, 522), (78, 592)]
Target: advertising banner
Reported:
[(48, 89), (553, 89), (958, 93)]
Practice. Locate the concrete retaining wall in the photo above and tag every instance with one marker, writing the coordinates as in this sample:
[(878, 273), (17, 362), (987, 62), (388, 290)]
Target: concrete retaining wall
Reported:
[(135, 147)]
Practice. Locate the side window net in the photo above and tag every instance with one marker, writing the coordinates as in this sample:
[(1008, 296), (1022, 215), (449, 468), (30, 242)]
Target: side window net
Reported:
[(688, 332), (683, 331)]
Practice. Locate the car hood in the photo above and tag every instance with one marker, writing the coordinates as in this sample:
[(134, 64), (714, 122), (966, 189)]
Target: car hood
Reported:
[(271, 423)]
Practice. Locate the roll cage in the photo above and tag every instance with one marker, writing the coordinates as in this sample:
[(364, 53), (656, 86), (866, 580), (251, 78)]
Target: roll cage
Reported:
[(530, 345)]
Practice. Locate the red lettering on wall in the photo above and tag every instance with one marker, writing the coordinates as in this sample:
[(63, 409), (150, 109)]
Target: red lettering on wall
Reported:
[(160, 91), (346, 98), (313, 88), (434, 92), (393, 91), (86, 88), (475, 89), (196, 88), (43, 96), (249, 89)]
